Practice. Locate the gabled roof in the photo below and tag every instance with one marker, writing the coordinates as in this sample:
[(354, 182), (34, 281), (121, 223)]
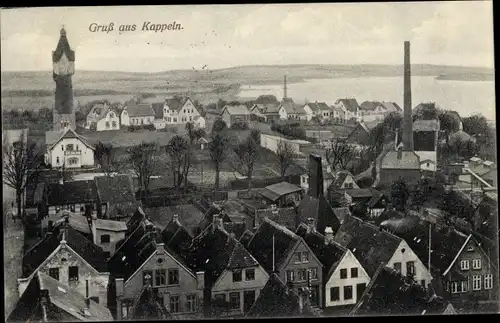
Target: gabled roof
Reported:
[(371, 245), (72, 302), (350, 104), (342, 213), (370, 105), (85, 248), (246, 237), (140, 110), (409, 160), (237, 228), (392, 106), (275, 191), (269, 108), (176, 103), (339, 179), (177, 239), (292, 108), (286, 217), (320, 210), (390, 293), (318, 106), (188, 215), (277, 300), (28, 307), (158, 109), (68, 134), (236, 109), (261, 245), (110, 225), (71, 193), (377, 199), (98, 112), (425, 125), (63, 48), (148, 307)]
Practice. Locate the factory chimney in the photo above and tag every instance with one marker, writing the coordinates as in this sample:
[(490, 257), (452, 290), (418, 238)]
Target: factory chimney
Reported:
[(408, 120), (284, 88)]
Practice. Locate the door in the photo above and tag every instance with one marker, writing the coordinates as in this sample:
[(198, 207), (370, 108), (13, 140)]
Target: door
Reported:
[(248, 299), (360, 289), (315, 295)]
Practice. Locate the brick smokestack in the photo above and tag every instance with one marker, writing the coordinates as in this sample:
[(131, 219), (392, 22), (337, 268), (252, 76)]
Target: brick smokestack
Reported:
[(315, 176), (408, 120)]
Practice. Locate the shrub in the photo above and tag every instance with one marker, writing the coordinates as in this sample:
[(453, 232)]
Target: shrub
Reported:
[(150, 127)]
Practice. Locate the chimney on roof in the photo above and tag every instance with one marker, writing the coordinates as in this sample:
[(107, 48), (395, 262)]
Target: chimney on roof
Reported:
[(150, 227), (328, 235), (315, 176), (274, 209), (408, 120), (176, 218), (216, 221), (311, 225)]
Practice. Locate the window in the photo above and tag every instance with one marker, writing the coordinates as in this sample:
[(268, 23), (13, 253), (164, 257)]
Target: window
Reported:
[(142, 121), (343, 273), (72, 208), (191, 303), (347, 292), (173, 276), (82, 209), (301, 274), (470, 248), (410, 268), (354, 272), (174, 304), (73, 273), (250, 274), (147, 275), (107, 124), (125, 308), (334, 294), (236, 275), (464, 286), (476, 264), (422, 282), (488, 281), (454, 287), (298, 257), (314, 273), (289, 276), (220, 297), (113, 124), (54, 273), (69, 147), (190, 118), (62, 147), (464, 265), (234, 299), (160, 277), (105, 238), (476, 282), (57, 160), (73, 161)]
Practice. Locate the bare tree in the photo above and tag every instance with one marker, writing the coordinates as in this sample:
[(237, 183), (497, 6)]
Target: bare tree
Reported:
[(178, 149), (144, 160), (218, 153), (284, 155), (194, 135), (247, 153), (103, 153), (340, 154), (21, 165)]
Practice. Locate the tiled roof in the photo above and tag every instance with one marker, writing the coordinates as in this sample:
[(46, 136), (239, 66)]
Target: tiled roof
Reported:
[(377, 200), (409, 160), (71, 193), (137, 218), (177, 239), (98, 112), (246, 237), (140, 110), (342, 213), (315, 106), (369, 105), (68, 134), (425, 125), (158, 109), (110, 225), (390, 293), (261, 245), (133, 252), (76, 221), (188, 214), (236, 109), (275, 191), (277, 300), (446, 244), (320, 210), (73, 302), (238, 228), (176, 103), (85, 248), (270, 108), (359, 192), (286, 217), (371, 245), (350, 104), (391, 106), (63, 47), (28, 305)]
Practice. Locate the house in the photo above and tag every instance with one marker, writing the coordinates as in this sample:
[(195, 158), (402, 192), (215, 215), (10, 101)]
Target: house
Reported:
[(343, 179), (67, 256), (115, 196), (377, 204), (358, 196), (462, 270), (377, 111), (328, 179), (142, 260), (180, 110), (349, 107), (286, 217), (425, 142), (200, 122), (149, 305), (289, 110), (317, 109), (235, 115), (159, 122), (314, 204), (267, 111), (107, 233), (362, 133), (337, 114), (234, 278), (395, 165), (344, 277), (68, 149), (189, 215), (277, 299), (282, 194), (373, 246), (139, 114), (284, 253), (46, 299), (102, 117)]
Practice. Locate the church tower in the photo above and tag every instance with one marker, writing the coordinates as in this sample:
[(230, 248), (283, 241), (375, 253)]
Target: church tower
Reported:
[(63, 62)]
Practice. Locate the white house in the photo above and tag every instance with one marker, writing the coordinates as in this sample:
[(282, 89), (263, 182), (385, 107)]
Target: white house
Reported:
[(377, 111), (179, 110), (349, 107), (200, 122), (137, 114), (235, 114), (101, 117), (69, 149), (288, 110), (318, 109)]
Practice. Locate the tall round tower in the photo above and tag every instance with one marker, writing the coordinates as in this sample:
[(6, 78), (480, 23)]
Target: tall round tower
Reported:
[(63, 62)]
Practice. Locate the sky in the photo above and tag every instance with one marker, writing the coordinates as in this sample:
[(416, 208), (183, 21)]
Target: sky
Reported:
[(220, 36)]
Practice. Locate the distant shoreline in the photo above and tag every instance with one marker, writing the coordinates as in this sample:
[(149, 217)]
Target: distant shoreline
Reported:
[(467, 77)]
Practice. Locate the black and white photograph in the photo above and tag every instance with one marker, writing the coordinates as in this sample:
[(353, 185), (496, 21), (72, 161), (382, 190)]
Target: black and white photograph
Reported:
[(246, 161)]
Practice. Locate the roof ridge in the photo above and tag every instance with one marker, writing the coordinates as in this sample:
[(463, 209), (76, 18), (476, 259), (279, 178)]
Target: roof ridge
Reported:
[(281, 228)]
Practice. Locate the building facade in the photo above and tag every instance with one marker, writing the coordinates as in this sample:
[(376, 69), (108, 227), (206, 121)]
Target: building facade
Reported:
[(70, 150), (180, 110)]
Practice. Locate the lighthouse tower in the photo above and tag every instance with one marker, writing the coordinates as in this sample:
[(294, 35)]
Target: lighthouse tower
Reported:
[(63, 62)]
